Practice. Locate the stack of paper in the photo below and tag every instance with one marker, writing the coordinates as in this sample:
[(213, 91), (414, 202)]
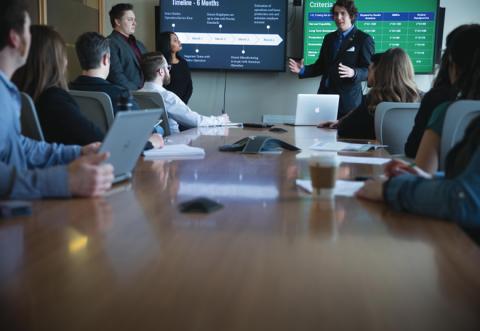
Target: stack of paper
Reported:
[(339, 146), (342, 187), (363, 160), (225, 124), (175, 152)]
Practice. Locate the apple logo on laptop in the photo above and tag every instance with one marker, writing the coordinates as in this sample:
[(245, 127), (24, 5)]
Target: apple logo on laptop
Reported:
[(317, 110)]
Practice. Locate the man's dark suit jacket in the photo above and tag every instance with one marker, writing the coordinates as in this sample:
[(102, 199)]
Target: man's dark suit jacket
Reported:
[(355, 52), (124, 66), (96, 84)]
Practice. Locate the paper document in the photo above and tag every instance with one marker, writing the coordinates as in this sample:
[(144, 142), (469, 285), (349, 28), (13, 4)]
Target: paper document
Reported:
[(339, 146), (342, 187), (363, 160), (180, 151), (225, 124)]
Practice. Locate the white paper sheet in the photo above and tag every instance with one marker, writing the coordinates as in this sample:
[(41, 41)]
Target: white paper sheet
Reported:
[(224, 124), (363, 160), (179, 151), (342, 187), (339, 146)]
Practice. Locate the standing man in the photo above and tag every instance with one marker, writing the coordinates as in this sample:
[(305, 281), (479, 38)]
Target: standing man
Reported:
[(344, 59), (32, 169), (125, 50)]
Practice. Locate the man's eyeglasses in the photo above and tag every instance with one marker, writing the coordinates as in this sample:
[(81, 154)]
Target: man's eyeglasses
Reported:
[(168, 67)]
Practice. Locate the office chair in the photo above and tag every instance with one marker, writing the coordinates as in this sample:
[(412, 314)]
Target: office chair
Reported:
[(458, 117), (96, 106), (29, 120), (151, 100), (393, 123)]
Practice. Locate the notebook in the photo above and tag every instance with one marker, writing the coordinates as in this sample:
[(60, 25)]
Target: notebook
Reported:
[(175, 152), (312, 109), (126, 139)]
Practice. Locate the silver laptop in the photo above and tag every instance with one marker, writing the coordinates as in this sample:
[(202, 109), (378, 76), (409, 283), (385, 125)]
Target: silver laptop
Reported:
[(126, 139), (313, 109)]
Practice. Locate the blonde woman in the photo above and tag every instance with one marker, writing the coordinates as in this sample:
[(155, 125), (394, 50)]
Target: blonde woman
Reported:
[(44, 78), (391, 78)]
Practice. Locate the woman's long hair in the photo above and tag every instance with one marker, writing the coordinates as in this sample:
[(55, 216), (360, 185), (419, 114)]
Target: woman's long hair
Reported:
[(46, 63), (164, 45), (465, 55), (443, 79), (394, 80)]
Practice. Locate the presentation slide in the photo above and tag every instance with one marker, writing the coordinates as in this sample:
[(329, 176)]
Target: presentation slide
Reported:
[(228, 35), (409, 24)]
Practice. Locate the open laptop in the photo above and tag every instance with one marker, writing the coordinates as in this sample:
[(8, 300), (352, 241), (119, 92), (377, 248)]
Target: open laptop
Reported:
[(126, 139), (313, 109)]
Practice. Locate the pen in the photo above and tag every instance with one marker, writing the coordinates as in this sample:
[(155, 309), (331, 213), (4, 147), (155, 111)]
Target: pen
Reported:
[(158, 123)]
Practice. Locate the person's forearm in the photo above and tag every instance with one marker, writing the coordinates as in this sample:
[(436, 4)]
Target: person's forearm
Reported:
[(457, 200), (41, 154), (33, 184)]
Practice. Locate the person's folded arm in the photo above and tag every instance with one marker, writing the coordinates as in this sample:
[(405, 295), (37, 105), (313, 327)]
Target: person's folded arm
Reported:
[(457, 199), (42, 154), (33, 184), (180, 112)]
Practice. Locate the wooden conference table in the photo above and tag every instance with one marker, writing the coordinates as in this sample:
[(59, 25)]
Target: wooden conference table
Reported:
[(272, 259)]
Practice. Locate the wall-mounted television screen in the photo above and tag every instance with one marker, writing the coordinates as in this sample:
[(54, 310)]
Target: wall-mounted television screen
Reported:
[(409, 24), (228, 34)]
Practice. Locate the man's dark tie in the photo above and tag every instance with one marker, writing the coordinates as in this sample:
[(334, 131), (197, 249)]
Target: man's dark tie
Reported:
[(338, 44), (336, 48)]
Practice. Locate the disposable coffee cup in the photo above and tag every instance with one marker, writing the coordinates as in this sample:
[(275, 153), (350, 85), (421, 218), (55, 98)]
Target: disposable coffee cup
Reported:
[(323, 174)]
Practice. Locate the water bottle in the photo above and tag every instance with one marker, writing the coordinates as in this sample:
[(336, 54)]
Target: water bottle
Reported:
[(125, 102)]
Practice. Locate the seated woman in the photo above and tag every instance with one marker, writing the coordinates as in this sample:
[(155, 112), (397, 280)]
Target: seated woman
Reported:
[(455, 197), (43, 77), (181, 79), (391, 78), (442, 91), (464, 74)]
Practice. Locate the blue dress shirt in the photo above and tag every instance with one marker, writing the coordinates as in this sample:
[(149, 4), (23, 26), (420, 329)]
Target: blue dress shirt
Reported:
[(457, 199), (29, 169)]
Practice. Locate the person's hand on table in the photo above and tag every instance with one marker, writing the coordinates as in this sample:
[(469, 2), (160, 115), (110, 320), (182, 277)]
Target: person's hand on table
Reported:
[(156, 140), (328, 125), (224, 118), (88, 176), (399, 167), (372, 190)]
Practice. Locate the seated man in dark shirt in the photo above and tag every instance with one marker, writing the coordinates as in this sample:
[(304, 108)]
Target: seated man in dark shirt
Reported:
[(93, 52)]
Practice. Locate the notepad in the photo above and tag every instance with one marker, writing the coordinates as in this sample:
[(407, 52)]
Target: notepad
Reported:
[(363, 160), (339, 146), (179, 151), (342, 187), (224, 124)]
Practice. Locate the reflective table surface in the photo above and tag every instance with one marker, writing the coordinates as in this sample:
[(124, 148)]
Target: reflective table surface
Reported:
[(273, 258)]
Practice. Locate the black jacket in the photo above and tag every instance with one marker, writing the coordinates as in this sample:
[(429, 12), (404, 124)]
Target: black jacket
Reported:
[(124, 66), (358, 124), (95, 84), (62, 121), (355, 52), (181, 80), (430, 101)]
